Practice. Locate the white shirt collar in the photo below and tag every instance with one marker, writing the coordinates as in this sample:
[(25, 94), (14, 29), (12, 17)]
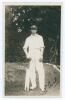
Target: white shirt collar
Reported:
[(34, 35)]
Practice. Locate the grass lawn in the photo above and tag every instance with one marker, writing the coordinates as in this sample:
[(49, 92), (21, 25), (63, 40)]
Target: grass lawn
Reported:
[(15, 79)]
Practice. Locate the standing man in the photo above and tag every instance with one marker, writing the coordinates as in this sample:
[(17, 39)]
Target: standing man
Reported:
[(33, 48)]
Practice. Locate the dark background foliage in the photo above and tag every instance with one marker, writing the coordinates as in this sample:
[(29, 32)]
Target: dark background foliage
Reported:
[(18, 20)]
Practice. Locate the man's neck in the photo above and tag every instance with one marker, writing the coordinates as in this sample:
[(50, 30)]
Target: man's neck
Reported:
[(34, 34)]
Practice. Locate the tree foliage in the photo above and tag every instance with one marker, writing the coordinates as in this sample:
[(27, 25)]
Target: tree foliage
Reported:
[(18, 20)]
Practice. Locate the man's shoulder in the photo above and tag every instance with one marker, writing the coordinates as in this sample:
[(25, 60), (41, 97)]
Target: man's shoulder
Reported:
[(28, 37), (40, 36)]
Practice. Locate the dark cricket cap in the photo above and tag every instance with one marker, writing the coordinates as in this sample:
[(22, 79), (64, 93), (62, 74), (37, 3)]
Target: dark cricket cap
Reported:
[(33, 27)]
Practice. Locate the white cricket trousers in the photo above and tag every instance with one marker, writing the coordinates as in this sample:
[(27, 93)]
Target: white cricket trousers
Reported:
[(30, 76), (35, 65), (41, 74)]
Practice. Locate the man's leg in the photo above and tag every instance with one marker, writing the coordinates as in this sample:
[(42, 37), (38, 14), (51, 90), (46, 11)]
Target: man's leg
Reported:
[(27, 79), (41, 73), (32, 74)]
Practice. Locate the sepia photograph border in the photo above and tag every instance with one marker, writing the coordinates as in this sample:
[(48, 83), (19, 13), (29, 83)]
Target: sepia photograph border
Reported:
[(35, 4)]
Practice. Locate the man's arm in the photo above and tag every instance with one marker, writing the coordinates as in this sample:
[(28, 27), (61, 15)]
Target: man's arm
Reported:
[(26, 48), (42, 46), (41, 49)]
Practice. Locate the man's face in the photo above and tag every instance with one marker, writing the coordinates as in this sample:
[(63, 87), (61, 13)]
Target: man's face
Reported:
[(33, 31)]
